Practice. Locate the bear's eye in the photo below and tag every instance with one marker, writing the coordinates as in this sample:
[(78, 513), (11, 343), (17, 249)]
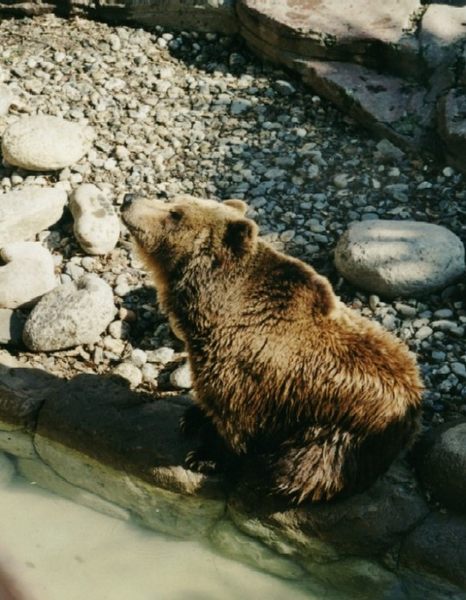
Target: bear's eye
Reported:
[(175, 215)]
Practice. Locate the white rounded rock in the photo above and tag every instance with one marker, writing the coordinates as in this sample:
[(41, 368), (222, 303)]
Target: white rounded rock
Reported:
[(129, 372), (26, 212), (96, 225), (399, 258), (162, 355), (28, 274), (72, 314), (45, 143), (181, 377), (138, 358)]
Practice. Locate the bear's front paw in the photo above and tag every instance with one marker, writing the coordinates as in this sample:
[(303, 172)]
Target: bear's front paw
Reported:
[(192, 421), (197, 461)]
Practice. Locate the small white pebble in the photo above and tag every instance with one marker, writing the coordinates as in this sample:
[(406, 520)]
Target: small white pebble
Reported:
[(129, 372)]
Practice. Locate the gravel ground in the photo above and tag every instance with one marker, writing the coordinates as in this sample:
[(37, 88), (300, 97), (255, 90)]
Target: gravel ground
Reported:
[(189, 113)]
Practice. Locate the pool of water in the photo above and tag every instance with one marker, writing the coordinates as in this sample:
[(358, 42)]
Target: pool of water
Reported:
[(58, 550)]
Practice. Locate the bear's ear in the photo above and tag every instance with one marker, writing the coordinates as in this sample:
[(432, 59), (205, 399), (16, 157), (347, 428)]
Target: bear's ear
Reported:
[(239, 205), (240, 236)]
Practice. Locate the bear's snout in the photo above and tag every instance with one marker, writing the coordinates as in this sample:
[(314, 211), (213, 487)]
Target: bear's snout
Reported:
[(127, 201)]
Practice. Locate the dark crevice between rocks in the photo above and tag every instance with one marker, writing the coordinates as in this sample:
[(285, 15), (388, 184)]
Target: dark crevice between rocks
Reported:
[(396, 551), (459, 67)]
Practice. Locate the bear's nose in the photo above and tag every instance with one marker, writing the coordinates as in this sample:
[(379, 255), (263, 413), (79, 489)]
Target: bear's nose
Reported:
[(127, 201)]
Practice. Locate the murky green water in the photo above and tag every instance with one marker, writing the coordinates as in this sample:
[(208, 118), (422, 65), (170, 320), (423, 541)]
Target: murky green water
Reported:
[(59, 550)]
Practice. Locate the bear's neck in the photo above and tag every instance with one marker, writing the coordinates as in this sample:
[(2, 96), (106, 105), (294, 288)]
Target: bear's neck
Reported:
[(203, 293)]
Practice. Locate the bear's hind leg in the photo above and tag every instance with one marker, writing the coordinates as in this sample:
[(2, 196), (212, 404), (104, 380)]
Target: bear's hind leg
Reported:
[(313, 465), (211, 455), (193, 421)]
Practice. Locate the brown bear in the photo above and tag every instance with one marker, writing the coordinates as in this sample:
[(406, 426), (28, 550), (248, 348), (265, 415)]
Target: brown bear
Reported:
[(284, 374)]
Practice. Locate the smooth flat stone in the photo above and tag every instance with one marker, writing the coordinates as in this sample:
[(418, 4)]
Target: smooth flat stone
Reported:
[(24, 213), (28, 274), (45, 143), (399, 258)]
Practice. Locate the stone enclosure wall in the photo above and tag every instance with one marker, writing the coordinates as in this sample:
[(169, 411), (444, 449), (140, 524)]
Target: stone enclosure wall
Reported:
[(397, 67)]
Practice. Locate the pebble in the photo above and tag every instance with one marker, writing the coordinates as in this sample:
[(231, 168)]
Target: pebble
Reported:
[(406, 310), (96, 225), (240, 106), (448, 172), (138, 357), (119, 329), (373, 301), (70, 315), (313, 171), (443, 313), (181, 377), (74, 271), (389, 322), (423, 332), (444, 325), (45, 143), (284, 87), (26, 212), (459, 369), (114, 346), (130, 372), (88, 263), (340, 181), (388, 152), (28, 274), (150, 374), (162, 355)]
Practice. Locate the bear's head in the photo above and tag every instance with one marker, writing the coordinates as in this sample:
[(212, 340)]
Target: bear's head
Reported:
[(169, 234)]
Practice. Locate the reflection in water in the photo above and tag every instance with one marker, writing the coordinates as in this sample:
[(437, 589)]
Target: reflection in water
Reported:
[(59, 550)]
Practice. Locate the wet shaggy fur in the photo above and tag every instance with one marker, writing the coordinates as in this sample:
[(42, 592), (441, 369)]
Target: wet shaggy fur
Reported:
[(284, 374)]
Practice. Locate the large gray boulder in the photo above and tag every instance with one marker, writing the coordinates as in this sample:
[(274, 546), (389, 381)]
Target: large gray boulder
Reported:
[(441, 464), (399, 258), (437, 546), (72, 314), (45, 143)]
